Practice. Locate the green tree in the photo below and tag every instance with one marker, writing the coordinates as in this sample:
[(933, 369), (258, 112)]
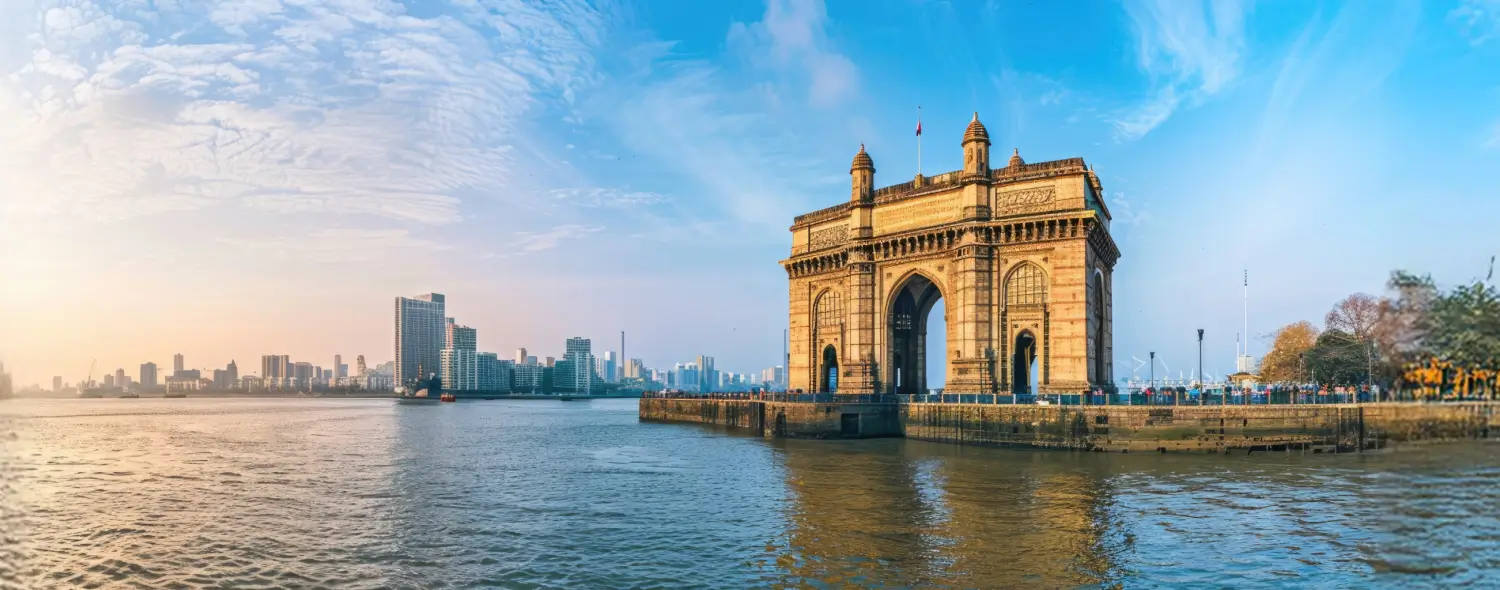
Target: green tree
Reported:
[(1465, 326), (1403, 321), (1337, 358)]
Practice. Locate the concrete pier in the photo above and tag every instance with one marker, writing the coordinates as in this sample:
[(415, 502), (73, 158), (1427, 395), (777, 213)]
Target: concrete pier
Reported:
[(1198, 429)]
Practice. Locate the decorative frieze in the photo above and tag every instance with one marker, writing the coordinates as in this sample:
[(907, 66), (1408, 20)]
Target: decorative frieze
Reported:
[(1027, 200), (828, 237)]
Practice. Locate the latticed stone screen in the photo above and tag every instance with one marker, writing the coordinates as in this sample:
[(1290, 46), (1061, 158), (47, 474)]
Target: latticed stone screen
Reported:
[(829, 310), (1027, 286)]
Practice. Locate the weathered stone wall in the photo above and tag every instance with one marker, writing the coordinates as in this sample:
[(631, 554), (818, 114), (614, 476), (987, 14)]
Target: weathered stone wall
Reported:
[(731, 413), (1341, 428), (1135, 428), (1411, 422), (825, 420)]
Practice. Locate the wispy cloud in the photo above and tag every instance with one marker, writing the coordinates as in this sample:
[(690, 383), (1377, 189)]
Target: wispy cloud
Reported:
[(1479, 20), (604, 197), (792, 37), (341, 245), (1190, 50), (350, 107), (528, 242)]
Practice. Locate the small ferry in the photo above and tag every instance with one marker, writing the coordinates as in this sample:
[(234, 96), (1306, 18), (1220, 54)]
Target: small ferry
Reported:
[(448, 397)]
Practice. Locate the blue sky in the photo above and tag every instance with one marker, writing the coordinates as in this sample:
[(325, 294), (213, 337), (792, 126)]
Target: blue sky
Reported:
[(237, 178)]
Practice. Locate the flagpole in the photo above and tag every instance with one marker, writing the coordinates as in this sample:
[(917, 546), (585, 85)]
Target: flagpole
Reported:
[(919, 140)]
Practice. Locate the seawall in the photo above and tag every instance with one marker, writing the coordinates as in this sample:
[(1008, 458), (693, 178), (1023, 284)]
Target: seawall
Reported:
[(1200, 429)]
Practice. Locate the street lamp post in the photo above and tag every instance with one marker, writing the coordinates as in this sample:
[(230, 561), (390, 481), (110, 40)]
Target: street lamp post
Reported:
[(1201, 390), (1151, 387)]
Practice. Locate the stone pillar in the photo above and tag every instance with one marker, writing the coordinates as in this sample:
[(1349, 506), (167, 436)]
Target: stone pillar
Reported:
[(860, 371), (970, 363)]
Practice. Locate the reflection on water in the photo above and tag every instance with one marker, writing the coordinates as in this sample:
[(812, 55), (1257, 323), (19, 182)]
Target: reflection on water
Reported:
[(365, 494)]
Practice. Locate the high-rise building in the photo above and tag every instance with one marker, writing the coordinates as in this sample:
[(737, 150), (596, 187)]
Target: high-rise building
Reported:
[(549, 362), (531, 360), (302, 375), (609, 369), (460, 337), (148, 375), (57, 384), (273, 370), (494, 374), (565, 376), (581, 352), (343, 371), (233, 374), (420, 325), (120, 378), (177, 363), (708, 378), (109, 380), (460, 369), (521, 356), (338, 370), (527, 378)]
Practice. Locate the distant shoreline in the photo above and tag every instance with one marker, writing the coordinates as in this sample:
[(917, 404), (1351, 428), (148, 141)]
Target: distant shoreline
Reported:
[(294, 395)]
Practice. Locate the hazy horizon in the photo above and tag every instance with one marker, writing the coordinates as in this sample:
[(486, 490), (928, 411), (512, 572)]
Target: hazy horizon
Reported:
[(228, 180)]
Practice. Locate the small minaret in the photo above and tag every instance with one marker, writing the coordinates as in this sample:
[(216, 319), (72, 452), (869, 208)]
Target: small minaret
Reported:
[(976, 149), (862, 177)]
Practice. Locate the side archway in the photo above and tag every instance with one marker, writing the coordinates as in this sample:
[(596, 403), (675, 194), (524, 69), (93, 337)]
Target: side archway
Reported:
[(828, 330)]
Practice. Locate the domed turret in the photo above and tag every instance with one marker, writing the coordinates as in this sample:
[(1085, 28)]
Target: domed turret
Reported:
[(862, 161), (976, 132), (862, 177), (976, 150), (1015, 159)]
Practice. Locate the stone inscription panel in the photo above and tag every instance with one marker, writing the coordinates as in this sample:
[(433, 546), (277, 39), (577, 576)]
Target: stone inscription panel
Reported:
[(828, 237), (917, 213), (1027, 200)]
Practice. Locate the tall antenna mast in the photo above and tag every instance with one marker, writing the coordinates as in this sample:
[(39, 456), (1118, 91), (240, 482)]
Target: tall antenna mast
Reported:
[(1247, 319)]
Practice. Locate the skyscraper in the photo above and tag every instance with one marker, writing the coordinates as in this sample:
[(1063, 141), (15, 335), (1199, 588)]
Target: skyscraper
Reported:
[(338, 370), (581, 352), (460, 337), (609, 370), (520, 356), (148, 375), (420, 334), (232, 372), (273, 370), (177, 363), (708, 378), (120, 378)]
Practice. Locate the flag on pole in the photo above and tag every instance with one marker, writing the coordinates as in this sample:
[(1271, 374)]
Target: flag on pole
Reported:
[(919, 127)]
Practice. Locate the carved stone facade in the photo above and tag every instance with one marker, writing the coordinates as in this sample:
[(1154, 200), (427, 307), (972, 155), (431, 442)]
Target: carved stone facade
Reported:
[(1020, 257)]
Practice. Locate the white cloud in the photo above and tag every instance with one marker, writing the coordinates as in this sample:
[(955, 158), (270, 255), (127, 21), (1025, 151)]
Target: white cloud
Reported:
[(1190, 49), (792, 36), (336, 106), (1479, 20)]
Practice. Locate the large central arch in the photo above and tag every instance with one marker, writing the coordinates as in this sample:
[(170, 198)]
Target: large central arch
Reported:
[(911, 303)]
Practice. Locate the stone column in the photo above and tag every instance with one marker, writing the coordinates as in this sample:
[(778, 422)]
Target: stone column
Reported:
[(970, 365)]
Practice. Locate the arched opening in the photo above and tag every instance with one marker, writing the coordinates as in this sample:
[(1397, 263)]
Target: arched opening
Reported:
[(828, 371), (1024, 373), (917, 346)]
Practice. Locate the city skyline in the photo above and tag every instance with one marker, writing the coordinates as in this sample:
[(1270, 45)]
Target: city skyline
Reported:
[(613, 171)]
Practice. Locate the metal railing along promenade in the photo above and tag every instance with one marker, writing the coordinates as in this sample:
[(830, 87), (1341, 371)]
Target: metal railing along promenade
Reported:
[(1137, 398)]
